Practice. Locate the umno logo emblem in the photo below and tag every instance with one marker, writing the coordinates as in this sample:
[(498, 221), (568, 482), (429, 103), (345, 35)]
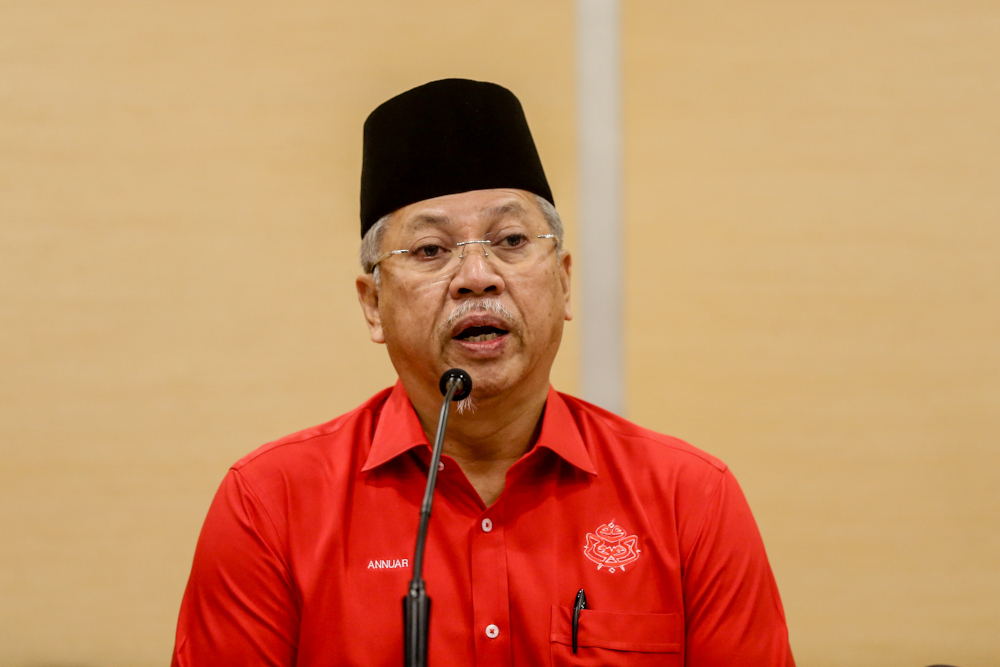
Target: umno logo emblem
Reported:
[(611, 547)]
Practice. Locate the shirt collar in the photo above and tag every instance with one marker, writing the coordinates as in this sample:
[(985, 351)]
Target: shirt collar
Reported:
[(399, 430), (561, 434)]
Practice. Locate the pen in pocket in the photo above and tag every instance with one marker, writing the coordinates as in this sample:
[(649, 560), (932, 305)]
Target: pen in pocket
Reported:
[(580, 604)]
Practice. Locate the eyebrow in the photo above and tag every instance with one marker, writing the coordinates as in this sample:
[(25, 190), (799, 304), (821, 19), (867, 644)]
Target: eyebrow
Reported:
[(492, 213)]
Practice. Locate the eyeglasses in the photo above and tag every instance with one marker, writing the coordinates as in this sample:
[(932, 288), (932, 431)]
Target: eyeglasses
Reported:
[(438, 255)]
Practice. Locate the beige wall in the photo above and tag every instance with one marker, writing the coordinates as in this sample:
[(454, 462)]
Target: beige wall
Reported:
[(812, 246), (813, 197)]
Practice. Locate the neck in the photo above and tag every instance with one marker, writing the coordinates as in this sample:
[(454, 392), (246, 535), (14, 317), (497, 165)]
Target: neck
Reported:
[(487, 442)]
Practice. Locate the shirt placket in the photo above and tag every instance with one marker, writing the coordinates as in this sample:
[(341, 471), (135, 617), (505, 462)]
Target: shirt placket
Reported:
[(490, 600)]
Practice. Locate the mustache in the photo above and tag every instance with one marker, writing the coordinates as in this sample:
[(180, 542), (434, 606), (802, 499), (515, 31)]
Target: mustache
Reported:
[(489, 304)]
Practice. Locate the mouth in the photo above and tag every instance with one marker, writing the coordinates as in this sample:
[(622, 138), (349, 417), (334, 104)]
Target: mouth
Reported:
[(480, 334)]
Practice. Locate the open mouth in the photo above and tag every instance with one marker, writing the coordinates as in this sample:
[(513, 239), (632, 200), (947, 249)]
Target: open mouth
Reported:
[(480, 334)]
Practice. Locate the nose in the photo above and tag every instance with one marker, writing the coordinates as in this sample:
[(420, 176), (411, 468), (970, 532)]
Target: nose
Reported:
[(476, 275)]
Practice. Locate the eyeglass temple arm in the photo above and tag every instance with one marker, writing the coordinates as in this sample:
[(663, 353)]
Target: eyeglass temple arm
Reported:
[(387, 255)]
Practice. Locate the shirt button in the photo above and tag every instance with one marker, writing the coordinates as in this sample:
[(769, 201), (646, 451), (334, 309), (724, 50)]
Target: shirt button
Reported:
[(491, 630), (440, 466), (487, 527)]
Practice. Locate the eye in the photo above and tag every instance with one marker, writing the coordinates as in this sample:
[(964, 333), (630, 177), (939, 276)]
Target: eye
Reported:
[(429, 251), (515, 240)]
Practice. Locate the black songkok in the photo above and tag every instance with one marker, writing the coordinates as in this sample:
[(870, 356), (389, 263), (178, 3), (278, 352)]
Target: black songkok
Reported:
[(442, 138)]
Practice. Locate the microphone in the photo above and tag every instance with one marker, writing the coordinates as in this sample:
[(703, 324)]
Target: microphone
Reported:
[(455, 385)]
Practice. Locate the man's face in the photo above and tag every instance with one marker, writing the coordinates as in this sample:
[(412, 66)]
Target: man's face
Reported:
[(432, 321)]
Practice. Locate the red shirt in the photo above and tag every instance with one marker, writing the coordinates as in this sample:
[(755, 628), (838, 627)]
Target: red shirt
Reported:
[(304, 557)]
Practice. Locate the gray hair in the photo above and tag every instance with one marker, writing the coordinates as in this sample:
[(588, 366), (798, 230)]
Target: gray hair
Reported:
[(371, 244)]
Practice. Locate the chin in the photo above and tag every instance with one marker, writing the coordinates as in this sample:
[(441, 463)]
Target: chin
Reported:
[(486, 383)]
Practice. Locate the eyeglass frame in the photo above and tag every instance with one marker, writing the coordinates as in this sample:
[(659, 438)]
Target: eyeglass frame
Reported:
[(462, 244)]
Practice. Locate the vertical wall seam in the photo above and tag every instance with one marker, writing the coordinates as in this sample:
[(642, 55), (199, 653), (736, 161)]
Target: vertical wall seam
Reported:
[(598, 65)]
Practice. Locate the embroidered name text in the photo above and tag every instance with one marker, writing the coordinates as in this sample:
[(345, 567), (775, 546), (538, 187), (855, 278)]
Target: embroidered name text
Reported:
[(388, 564)]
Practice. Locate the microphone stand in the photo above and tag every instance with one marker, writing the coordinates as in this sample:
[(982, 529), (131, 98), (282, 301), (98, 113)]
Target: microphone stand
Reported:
[(455, 385)]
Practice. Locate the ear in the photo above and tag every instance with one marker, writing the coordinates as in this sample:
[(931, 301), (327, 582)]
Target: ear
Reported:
[(565, 272), (368, 298)]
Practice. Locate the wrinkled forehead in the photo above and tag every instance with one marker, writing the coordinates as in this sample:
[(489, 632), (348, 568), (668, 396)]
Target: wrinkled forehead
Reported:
[(464, 216)]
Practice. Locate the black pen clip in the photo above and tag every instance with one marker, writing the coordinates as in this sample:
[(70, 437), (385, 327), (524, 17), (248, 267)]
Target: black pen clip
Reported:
[(581, 603)]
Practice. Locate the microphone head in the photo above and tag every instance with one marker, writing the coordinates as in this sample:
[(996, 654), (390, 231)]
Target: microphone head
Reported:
[(466, 383)]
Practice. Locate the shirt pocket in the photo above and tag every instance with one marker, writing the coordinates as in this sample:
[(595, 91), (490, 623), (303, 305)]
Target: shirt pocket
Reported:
[(613, 639)]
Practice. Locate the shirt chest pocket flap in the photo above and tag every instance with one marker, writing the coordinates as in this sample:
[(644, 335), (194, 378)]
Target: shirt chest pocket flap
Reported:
[(616, 638)]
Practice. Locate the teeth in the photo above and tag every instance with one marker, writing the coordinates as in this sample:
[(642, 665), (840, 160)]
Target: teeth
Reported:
[(482, 337)]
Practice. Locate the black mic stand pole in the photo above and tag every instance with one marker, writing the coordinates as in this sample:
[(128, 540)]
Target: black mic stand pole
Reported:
[(455, 385)]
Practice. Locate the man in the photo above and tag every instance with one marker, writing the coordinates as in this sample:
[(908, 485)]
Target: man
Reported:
[(304, 556)]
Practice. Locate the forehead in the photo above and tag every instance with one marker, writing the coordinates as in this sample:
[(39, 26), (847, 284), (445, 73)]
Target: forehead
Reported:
[(476, 209)]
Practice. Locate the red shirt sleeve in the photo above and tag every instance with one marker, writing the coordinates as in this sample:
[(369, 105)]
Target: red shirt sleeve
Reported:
[(734, 613), (240, 607)]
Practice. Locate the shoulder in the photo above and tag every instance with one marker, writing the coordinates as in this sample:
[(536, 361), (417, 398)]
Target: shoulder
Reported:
[(323, 448), (650, 447)]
